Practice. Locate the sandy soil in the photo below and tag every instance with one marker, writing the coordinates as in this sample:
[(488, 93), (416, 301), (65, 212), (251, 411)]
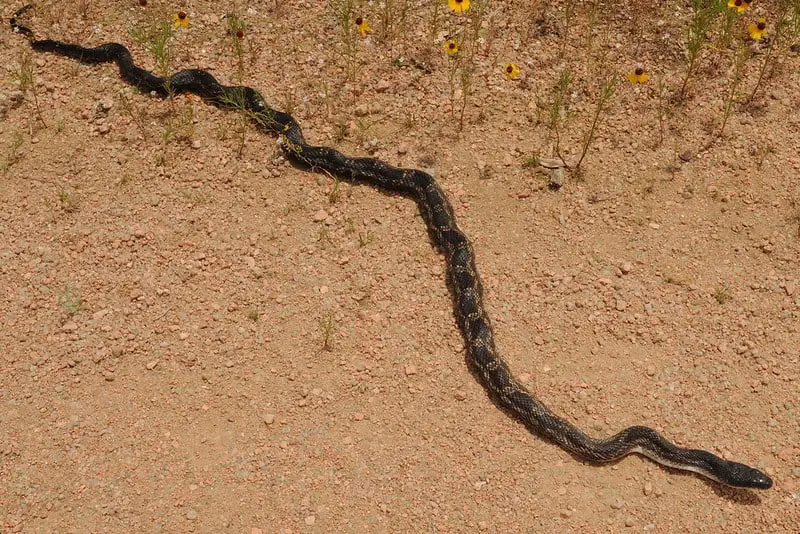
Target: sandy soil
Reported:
[(164, 302)]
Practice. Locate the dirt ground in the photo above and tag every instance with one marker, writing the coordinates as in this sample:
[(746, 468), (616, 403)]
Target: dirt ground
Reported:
[(196, 336)]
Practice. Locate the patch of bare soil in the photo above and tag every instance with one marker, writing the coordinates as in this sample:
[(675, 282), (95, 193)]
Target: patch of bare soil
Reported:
[(196, 336)]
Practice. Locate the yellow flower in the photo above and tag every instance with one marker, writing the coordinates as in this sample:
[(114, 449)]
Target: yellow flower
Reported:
[(363, 27), (738, 5), (511, 70), (181, 20), (451, 47), (758, 30), (638, 76), (458, 6)]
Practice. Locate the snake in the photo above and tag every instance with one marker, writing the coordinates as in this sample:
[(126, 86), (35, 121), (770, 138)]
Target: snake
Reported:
[(464, 283)]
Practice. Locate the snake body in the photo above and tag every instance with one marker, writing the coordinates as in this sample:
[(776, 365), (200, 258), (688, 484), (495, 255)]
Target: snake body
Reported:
[(462, 275)]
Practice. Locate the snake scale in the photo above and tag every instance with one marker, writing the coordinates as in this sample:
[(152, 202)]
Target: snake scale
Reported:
[(462, 275)]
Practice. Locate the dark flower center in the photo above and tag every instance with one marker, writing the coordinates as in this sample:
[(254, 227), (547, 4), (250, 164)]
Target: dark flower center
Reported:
[(639, 71), (142, 3), (452, 46), (239, 34), (181, 15), (738, 3), (359, 21), (510, 69), (761, 26)]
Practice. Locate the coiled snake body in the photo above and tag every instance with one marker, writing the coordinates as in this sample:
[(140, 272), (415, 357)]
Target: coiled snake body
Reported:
[(462, 275)]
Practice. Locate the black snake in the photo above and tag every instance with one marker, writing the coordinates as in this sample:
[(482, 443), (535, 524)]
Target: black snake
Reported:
[(462, 276)]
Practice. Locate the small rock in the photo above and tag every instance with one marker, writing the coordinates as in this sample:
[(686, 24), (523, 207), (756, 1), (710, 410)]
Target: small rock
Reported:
[(460, 395), (101, 109), (648, 488), (411, 370), (383, 85), (686, 155), (629, 522), (550, 163), (362, 110), (310, 520), (319, 216), (69, 327), (151, 365), (651, 370), (183, 336), (621, 305), (191, 514), (565, 513), (196, 143), (255, 530), (556, 178), (108, 375), (269, 418), (790, 288), (626, 267)]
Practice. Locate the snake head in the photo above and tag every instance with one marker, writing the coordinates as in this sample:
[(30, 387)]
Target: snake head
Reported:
[(744, 476)]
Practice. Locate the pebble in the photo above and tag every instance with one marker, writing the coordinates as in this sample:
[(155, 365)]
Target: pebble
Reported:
[(411, 370), (191, 514), (626, 267), (648, 488), (310, 520), (621, 305), (651, 370), (196, 143), (565, 513), (460, 395), (255, 530), (629, 522), (183, 336), (319, 216), (109, 376), (556, 178), (69, 327), (151, 365), (269, 418)]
